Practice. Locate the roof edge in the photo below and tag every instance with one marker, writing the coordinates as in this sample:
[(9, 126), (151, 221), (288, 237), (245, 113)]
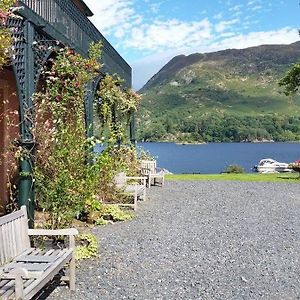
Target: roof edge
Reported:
[(83, 7)]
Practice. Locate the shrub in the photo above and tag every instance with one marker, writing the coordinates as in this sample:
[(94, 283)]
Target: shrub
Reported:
[(234, 169), (88, 246)]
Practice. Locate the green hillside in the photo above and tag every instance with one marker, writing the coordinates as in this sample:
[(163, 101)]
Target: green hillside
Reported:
[(230, 95)]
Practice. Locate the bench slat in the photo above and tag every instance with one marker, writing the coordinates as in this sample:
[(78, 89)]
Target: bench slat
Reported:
[(28, 266), (36, 258)]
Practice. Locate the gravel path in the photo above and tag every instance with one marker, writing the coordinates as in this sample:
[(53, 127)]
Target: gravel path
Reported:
[(200, 240)]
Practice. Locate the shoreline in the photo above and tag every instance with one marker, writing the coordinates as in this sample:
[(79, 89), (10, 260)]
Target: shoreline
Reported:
[(205, 143)]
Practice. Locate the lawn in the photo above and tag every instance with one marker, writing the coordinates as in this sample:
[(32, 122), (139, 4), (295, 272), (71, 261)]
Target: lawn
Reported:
[(286, 177)]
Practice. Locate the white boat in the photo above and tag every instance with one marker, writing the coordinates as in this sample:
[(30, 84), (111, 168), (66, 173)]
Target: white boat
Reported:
[(269, 165)]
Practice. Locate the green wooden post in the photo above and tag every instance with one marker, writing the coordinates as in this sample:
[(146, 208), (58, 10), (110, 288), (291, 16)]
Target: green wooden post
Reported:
[(89, 109), (26, 189), (132, 129), (26, 185)]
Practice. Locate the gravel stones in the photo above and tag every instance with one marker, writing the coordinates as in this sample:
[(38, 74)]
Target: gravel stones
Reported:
[(200, 240)]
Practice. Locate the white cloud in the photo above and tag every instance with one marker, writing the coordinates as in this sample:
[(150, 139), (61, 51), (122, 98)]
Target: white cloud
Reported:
[(256, 7), (218, 16), (169, 34), (113, 15), (223, 25), (282, 36), (236, 8), (253, 2)]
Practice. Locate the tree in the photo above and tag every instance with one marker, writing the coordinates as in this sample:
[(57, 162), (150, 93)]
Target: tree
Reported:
[(291, 80)]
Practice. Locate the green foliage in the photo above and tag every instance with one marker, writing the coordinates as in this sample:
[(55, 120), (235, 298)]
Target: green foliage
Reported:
[(143, 154), (213, 127), (291, 80), (108, 213), (115, 108), (234, 169), (88, 246), (71, 181), (101, 222), (5, 34), (64, 180), (114, 213)]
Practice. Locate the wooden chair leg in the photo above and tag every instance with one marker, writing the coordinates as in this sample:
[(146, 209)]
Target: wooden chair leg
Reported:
[(72, 266), (135, 200), (72, 274), (148, 181), (19, 287)]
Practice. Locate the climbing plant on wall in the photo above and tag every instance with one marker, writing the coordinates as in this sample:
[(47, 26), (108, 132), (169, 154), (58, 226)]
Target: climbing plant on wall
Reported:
[(70, 179), (65, 182), (5, 33), (115, 108)]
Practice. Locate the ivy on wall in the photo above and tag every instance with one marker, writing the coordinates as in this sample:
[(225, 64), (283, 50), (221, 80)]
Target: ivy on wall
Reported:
[(71, 180), (64, 181), (115, 108), (5, 33)]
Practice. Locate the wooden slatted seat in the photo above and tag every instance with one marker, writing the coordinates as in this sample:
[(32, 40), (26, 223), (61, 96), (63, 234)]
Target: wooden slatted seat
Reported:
[(137, 187), (24, 270), (150, 170)]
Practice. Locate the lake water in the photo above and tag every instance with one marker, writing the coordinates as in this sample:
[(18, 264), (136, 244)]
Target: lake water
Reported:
[(215, 157)]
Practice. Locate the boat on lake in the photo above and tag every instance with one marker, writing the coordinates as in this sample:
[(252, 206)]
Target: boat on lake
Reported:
[(269, 165)]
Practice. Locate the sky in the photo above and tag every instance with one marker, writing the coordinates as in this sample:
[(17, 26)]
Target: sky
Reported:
[(148, 33)]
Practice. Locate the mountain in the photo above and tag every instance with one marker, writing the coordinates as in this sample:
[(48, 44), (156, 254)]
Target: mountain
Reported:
[(196, 97)]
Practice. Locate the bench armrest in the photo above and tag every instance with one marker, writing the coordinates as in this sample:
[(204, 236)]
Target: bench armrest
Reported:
[(50, 232), (141, 178)]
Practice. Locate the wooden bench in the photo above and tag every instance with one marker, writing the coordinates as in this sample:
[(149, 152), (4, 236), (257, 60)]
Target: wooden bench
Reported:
[(137, 188), (150, 170), (24, 270)]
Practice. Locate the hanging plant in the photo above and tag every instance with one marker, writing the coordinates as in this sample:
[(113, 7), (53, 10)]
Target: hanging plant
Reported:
[(115, 108)]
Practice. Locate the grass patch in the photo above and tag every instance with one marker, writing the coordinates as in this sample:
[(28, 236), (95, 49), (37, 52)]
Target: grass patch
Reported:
[(255, 177)]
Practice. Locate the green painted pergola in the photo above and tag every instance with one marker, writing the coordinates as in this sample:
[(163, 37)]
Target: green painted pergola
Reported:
[(45, 24)]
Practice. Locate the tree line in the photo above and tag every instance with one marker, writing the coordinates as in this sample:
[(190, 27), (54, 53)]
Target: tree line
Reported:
[(213, 127)]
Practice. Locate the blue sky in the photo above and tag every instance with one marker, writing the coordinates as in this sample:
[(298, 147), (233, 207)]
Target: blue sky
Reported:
[(148, 33)]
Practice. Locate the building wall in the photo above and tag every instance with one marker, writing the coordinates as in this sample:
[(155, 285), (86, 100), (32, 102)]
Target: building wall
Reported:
[(9, 106)]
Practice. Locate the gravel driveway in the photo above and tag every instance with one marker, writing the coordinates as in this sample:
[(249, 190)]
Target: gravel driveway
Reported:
[(200, 240)]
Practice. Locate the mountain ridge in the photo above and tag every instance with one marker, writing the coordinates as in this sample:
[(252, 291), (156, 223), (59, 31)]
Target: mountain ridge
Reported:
[(180, 61), (232, 82)]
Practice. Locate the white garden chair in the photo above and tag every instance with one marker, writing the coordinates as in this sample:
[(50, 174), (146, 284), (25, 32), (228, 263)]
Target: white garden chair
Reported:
[(136, 187), (153, 174)]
